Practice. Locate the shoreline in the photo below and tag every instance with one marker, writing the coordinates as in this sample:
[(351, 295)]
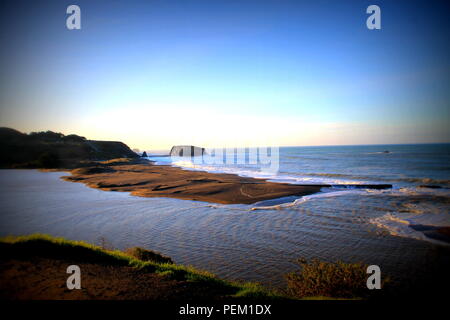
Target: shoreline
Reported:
[(145, 179)]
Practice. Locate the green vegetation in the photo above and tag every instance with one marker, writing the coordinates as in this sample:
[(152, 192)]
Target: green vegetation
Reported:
[(60, 248), (147, 255), (324, 279), (116, 162), (55, 150), (314, 280), (47, 160)]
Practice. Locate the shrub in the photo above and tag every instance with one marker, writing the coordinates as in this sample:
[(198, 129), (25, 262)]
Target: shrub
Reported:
[(74, 138), (147, 255), (48, 160), (318, 278), (46, 135)]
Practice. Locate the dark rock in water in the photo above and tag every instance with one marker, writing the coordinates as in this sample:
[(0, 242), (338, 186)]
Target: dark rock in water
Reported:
[(376, 186), (433, 232), (187, 151), (363, 186), (430, 186), (386, 151), (144, 154)]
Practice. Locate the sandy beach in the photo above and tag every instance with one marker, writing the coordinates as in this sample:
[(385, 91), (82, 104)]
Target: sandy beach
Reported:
[(145, 179)]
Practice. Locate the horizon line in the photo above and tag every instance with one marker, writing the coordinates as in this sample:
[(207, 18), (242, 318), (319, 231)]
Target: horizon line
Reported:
[(327, 145)]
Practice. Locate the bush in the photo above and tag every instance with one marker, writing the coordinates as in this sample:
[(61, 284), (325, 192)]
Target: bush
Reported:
[(74, 138), (48, 160), (46, 136), (147, 255), (337, 280)]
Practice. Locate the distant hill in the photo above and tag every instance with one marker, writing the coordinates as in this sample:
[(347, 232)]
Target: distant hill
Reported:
[(54, 150)]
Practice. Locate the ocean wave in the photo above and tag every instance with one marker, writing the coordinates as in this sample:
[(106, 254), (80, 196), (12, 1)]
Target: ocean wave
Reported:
[(261, 174), (426, 181), (416, 191), (379, 152), (300, 201), (435, 196), (337, 175), (397, 225), (332, 178)]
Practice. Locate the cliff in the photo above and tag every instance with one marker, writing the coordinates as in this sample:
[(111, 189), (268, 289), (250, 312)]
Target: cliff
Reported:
[(55, 150)]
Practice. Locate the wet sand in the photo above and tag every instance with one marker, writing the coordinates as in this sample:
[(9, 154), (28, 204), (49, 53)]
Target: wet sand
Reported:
[(145, 179)]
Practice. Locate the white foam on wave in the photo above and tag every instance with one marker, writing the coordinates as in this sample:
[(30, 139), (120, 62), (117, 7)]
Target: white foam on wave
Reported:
[(432, 213), (314, 180), (401, 192), (409, 191), (379, 152), (254, 172), (397, 225), (300, 201)]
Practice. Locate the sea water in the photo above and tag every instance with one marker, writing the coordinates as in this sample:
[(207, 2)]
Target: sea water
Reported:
[(261, 242)]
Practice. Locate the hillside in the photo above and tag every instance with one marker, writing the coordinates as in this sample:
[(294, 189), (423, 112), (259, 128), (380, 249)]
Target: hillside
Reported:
[(55, 150), (34, 267)]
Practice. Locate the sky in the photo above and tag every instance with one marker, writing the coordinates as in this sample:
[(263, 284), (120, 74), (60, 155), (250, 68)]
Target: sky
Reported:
[(228, 73)]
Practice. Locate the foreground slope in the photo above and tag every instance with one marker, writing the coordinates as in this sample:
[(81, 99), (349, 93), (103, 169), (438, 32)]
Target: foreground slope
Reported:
[(34, 267)]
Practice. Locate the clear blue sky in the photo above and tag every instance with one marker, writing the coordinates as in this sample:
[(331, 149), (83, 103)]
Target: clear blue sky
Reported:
[(213, 72)]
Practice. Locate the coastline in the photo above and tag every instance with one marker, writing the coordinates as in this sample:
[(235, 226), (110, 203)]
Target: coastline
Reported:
[(110, 165), (145, 179)]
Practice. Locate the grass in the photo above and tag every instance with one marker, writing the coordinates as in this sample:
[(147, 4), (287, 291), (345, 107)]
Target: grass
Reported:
[(315, 280), (117, 161), (60, 248), (147, 255)]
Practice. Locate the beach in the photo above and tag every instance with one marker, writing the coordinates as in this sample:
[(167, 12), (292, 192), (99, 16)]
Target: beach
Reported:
[(146, 179), (142, 178)]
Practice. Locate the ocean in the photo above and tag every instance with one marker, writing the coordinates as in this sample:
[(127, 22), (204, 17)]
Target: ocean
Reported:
[(392, 228), (419, 175)]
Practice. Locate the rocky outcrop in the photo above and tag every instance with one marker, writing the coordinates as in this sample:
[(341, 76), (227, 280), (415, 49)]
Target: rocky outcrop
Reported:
[(55, 150), (105, 150), (187, 151)]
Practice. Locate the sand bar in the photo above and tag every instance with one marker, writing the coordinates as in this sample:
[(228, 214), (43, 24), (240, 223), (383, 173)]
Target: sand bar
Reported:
[(145, 179)]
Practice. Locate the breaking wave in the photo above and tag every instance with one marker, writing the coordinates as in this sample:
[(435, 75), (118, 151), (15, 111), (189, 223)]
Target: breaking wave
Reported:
[(396, 225)]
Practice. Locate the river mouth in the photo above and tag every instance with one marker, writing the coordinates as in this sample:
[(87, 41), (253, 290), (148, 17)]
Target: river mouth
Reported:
[(232, 241)]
